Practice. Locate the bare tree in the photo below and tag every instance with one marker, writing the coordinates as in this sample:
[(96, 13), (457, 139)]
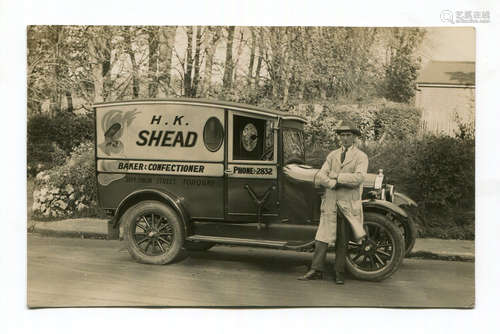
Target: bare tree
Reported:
[(166, 43), (261, 56), (197, 61), (96, 44), (153, 46), (210, 48), (188, 62), (129, 35), (228, 65), (252, 57)]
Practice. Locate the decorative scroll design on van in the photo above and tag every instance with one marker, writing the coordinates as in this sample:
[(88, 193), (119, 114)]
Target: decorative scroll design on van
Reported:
[(106, 179), (113, 123), (161, 167)]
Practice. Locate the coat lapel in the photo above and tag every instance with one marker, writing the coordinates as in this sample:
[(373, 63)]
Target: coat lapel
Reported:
[(349, 156), (336, 155)]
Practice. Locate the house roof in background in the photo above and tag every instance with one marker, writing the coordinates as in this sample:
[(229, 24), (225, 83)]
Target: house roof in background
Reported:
[(448, 73)]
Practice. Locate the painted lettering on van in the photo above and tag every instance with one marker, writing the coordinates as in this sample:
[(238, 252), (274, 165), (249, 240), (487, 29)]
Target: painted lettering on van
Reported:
[(167, 138), (156, 119)]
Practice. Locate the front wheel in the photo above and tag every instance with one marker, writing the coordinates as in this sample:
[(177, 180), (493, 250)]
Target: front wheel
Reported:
[(381, 254), (153, 232), (409, 229)]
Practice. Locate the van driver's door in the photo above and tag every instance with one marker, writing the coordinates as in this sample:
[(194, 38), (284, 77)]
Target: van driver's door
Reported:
[(251, 168)]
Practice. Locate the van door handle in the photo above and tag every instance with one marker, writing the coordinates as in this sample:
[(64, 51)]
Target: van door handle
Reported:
[(228, 172)]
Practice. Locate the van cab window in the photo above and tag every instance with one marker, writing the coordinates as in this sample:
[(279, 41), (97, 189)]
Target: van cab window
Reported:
[(293, 146), (253, 139)]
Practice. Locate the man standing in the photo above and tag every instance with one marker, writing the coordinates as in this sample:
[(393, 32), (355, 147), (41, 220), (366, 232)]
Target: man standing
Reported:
[(342, 175)]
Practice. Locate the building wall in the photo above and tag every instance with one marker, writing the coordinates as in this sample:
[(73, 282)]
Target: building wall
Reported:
[(441, 105)]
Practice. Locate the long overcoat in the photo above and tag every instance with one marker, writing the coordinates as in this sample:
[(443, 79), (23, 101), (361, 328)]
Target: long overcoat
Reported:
[(344, 194)]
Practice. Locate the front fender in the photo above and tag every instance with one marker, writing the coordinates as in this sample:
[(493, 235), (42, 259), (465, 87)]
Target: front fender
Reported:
[(149, 194), (401, 199), (385, 206)]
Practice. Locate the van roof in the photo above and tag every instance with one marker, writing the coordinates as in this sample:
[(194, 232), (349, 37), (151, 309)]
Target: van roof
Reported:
[(206, 102)]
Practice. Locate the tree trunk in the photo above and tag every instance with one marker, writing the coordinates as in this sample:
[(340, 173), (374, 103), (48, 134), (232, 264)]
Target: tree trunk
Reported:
[(252, 58), (55, 99), (153, 41), (210, 52), (106, 62), (167, 38), (261, 57), (95, 64), (135, 67), (237, 60), (196, 77), (228, 65), (276, 61), (69, 101), (189, 62)]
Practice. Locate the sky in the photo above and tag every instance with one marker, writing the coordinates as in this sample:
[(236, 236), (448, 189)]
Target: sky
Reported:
[(449, 43)]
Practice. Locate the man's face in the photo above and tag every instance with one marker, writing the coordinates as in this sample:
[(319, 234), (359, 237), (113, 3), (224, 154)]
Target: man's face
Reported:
[(346, 138)]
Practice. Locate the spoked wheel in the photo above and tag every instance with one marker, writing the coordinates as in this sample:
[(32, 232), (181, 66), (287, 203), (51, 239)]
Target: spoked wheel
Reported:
[(378, 256), (153, 232)]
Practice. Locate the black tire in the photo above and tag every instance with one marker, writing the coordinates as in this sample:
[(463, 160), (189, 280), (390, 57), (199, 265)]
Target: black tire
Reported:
[(381, 254), (198, 246), (409, 230), (153, 232)]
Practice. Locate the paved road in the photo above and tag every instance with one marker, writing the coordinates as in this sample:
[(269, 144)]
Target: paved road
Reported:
[(76, 272)]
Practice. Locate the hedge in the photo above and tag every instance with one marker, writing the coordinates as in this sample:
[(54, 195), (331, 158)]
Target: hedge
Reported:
[(51, 138)]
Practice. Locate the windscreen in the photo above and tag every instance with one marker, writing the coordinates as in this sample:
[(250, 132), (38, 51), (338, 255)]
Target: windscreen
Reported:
[(293, 145)]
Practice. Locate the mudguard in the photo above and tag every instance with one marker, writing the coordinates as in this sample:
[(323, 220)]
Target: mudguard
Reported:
[(385, 206), (151, 193), (401, 199)]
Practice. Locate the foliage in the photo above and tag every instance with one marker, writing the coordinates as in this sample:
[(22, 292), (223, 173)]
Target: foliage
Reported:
[(69, 189), (51, 139), (379, 121), (437, 171), (401, 71), (82, 65)]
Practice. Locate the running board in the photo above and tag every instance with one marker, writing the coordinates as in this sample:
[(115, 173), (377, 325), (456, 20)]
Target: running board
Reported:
[(238, 241)]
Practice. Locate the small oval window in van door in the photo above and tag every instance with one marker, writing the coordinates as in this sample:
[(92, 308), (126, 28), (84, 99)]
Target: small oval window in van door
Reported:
[(213, 134)]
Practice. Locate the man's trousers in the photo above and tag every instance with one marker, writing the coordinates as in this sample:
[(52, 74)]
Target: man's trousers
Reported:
[(320, 249)]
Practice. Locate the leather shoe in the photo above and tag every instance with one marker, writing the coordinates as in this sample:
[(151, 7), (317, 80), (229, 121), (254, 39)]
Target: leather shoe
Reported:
[(339, 278), (311, 275)]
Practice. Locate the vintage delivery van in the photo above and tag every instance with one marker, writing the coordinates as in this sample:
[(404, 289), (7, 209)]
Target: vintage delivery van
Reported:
[(191, 173)]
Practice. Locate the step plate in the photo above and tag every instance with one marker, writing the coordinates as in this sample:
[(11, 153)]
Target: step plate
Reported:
[(238, 241)]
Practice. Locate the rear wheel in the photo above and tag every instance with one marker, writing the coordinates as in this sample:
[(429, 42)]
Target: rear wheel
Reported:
[(381, 254), (153, 232)]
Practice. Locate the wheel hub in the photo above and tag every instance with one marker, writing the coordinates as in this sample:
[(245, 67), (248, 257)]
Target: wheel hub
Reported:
[(369, 247)]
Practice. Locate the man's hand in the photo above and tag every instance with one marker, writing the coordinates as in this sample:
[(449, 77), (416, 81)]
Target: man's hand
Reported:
[(332, 184), (333, 175)]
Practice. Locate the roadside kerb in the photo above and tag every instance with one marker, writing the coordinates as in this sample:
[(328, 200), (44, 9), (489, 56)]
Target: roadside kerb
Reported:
[(92, 228)]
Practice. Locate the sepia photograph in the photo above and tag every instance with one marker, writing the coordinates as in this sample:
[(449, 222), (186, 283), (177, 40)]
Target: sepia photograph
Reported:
[(251, 166)]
